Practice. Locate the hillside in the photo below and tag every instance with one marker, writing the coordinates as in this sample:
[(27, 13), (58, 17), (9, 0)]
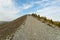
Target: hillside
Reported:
[(45, 20), (29, 27), (3, 22), (32, 29), (10, 28)]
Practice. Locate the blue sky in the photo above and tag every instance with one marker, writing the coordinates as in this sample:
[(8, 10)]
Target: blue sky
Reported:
[(12, 9)]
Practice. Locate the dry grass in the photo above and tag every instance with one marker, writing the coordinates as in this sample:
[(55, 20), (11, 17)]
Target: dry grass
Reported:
[(45, 20), (11, 27), (1, 24)]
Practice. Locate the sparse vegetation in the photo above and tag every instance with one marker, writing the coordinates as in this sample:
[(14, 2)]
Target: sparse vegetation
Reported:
[(56, 23), (45, 20), (11, 27), (3, 23)]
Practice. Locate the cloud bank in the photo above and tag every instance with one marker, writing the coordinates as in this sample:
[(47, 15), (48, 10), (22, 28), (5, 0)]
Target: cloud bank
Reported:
[(51, 10), (9, 9)]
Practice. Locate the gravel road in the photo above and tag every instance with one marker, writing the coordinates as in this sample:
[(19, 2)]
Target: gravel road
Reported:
[(33, 29)]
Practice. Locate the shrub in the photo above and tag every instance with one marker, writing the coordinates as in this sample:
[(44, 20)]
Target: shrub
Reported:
[(44, 19), (50, 21), (35, 15)]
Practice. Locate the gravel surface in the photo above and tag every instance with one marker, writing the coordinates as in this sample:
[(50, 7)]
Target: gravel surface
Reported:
[(33, 29)]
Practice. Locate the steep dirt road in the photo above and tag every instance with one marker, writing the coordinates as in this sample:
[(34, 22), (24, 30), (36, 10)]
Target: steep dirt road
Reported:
[(33, 29)]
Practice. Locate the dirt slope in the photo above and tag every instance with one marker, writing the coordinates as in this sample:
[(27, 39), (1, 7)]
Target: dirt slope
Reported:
[(9, 28), (33, 29)]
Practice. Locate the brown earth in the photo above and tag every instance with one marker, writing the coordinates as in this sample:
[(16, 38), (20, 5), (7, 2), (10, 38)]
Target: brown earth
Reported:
[(33, 29), (11, 27), (28, 28)]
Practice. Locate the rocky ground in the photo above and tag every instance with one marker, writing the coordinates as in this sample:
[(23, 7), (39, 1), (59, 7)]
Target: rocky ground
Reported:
[(33, 29)]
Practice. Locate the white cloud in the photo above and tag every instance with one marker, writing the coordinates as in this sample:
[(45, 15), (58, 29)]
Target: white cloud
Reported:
[(5, 2), (7, 10), (26, 6), (50, 12)]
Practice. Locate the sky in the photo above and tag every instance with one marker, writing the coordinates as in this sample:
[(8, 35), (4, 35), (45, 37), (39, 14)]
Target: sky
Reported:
[(12, 9)]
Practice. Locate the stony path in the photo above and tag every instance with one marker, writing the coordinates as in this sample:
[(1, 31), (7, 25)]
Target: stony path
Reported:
[(33, 29)]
